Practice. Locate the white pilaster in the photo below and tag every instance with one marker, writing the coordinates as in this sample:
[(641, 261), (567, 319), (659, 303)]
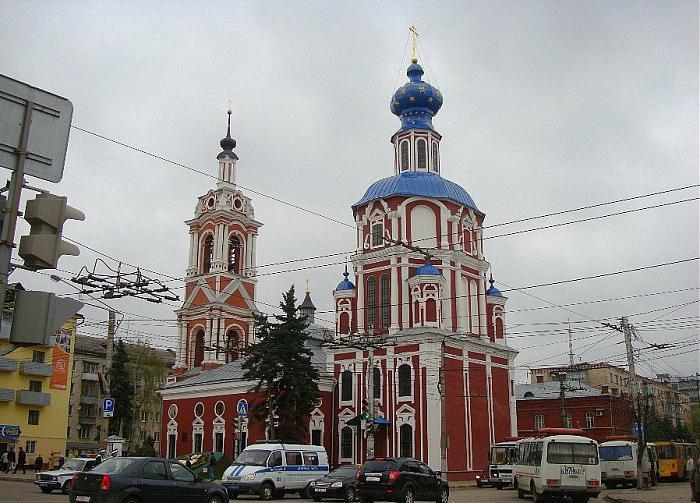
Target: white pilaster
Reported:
[(462, 303), (394, 293), (248, 265), (482, 308), (360, 287), (403, 270), (209, 355)]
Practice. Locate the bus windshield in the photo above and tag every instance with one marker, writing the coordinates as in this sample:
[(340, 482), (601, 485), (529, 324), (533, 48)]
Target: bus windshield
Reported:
[(572, 453), (501, 455), (615, 453)]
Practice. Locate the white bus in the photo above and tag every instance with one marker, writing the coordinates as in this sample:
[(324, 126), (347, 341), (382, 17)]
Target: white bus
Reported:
[(559, 462), (618, 463), (502, 460)]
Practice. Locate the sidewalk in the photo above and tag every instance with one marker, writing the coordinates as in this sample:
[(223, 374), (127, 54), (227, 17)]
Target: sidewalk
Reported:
[(665, 492), (18, 477)]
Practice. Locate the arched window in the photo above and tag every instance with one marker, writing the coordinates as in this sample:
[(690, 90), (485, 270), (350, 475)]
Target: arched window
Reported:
[(539, 422), (234, 345), (405, 380), (435, 157), (234, 255), (404, 155), (346, 386), (198, 349), (529, 394), (207, 254), (384, 304), (422, 154), (371, 301), (344, 323), (406, 441), (499, 328), (474, 306), (346, 442), (377, 234), (431, 310), (376, 383)]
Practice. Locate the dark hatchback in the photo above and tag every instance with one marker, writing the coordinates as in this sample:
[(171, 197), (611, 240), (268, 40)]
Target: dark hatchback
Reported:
[(400, 479), (338, 484), (142, 480)]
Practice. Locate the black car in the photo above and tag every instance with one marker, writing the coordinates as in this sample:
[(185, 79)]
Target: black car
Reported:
[(338, 484), (400, 479), (142, 480)]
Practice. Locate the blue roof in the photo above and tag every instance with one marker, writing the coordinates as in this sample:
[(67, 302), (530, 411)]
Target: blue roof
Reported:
[(427, 269), (411, 183), (346, 284), (493, 292)]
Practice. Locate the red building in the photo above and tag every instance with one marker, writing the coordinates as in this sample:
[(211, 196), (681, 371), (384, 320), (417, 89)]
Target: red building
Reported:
[(599, 414), (438, 383)]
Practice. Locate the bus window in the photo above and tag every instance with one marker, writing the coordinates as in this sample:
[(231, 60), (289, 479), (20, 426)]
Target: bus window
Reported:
[(615, 453), (666, 451), (572, 453)]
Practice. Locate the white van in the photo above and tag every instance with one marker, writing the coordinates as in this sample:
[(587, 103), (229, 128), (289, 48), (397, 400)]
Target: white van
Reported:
[(273, 468), (502, 459), (618, 463), (558, 465)]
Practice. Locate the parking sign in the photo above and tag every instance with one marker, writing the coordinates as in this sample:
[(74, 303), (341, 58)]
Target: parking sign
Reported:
[(108, 407)]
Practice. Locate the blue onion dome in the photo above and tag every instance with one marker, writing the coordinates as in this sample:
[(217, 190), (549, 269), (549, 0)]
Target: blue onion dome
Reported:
[(493, 291), (416, 102), (427, 269), (346, 284)]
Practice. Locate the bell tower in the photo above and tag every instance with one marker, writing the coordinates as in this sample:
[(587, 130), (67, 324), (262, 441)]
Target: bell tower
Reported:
[(215, 323)]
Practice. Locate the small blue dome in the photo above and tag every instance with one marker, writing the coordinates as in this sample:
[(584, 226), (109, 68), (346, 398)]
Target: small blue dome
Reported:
[(492, 290), (346, 284), (427, 269), (416, 102), (417, 183)]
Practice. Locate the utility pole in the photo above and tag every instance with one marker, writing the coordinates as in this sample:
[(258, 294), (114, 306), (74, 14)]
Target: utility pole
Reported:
[(634, 397), (370, 402), (444, 439), (561, 377), (571, 348)]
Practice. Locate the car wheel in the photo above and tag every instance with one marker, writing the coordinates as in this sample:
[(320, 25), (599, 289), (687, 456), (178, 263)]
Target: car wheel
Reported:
[(536, 498), (478, 483), (46, 490), (316, 498), (214, 499), (66, 487), (365, 500), (266, 491), (444, 495), (408, 496), (349, 495), (232, 496), (499, 486), (278, 495), (131, 499), (521, 494)]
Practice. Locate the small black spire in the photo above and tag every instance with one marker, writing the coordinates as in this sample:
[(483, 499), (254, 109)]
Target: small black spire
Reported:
[(228, 143), (491, 281)]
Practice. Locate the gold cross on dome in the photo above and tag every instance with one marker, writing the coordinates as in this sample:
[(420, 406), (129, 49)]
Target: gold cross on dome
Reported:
[(414, 37)]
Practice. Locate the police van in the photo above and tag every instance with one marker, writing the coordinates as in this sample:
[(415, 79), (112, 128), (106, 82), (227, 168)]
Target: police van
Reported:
[(272, 468), (558, 462)]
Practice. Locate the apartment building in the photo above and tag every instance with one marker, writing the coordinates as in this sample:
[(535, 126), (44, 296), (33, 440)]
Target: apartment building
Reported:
[(87, 428), (614, 380)]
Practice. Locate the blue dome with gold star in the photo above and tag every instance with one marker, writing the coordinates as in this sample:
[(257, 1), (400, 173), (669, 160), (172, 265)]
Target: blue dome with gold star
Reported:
[(416, 102)]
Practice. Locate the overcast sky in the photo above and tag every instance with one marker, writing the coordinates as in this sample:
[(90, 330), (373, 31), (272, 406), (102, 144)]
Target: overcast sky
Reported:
[(548, 106)]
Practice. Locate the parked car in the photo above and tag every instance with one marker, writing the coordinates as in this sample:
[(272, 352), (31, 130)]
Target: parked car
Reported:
[(482, 478), (400, 479), (141, 480), (61, 478), (338, 484)]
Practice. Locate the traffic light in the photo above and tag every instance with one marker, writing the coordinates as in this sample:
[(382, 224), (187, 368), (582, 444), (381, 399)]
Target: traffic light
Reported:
[(43, 246), (365, 410)]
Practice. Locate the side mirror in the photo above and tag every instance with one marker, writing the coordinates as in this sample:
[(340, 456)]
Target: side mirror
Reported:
[(438, 474), (197, 478)]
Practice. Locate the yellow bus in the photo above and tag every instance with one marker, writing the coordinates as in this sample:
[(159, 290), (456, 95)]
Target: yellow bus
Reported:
[(673, 457)]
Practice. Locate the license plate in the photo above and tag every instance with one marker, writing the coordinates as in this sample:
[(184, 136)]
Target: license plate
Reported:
[(320, 490), (83, 498), (573, 476), (373, 479), (234, 488)]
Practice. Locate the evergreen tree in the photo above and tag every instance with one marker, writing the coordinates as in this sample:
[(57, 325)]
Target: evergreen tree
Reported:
[(695, 422), (280, 362), (146, 449), (122, 390)]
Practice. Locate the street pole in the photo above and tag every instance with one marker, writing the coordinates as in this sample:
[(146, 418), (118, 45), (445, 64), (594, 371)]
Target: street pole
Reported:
[(370, 403), (10, 218), (444, 439), (634, 396)]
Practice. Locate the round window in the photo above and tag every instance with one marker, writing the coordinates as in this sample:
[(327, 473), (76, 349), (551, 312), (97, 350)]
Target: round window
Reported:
[(172, 411), (199, 409), (219, 408), (210, 202), (237, 204)]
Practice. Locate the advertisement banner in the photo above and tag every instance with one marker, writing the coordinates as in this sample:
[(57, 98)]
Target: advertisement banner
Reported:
[(61, 359), (9, 431)]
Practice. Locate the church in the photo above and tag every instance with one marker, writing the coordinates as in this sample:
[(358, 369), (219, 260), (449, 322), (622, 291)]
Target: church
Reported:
[(417, 363)]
